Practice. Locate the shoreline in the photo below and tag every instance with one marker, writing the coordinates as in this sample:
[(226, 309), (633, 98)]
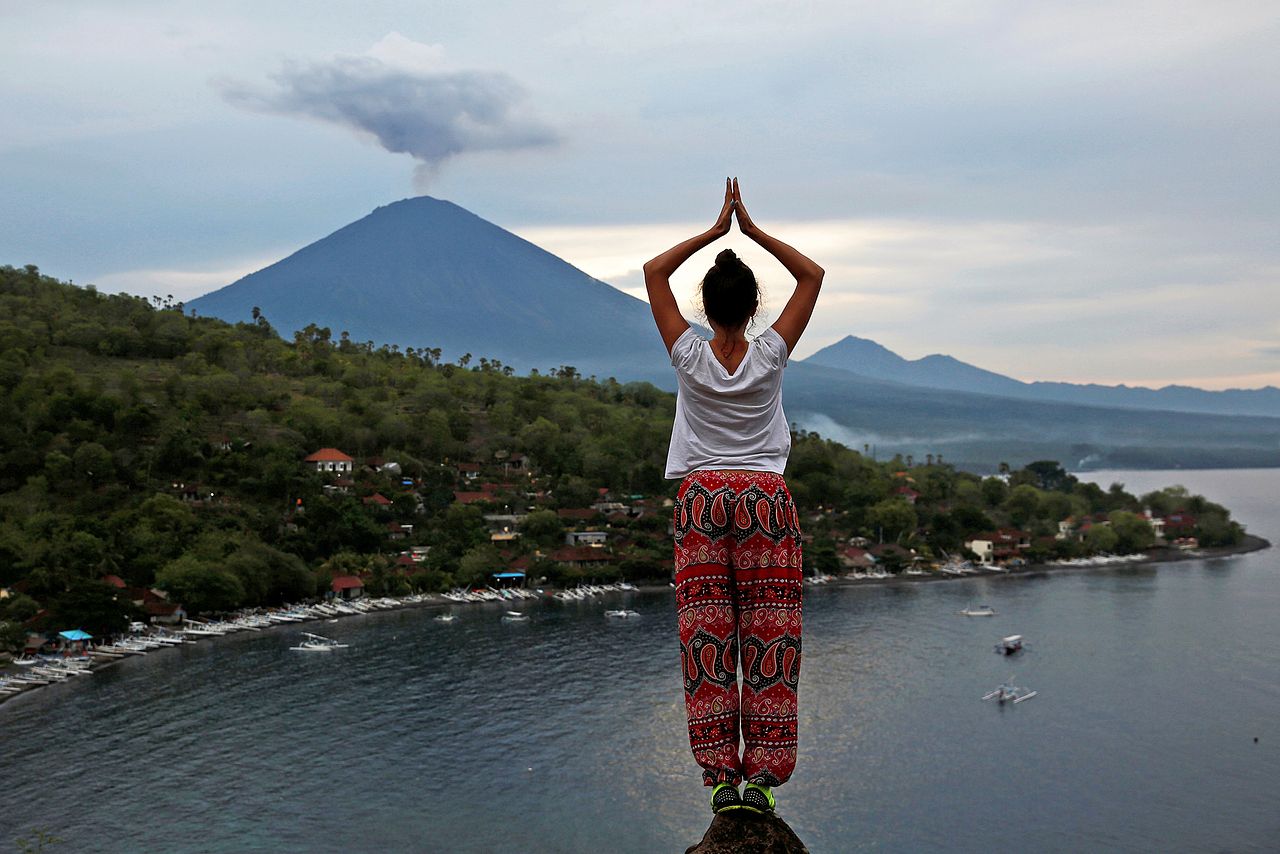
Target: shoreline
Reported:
[(1249, 544), (1164, 554)]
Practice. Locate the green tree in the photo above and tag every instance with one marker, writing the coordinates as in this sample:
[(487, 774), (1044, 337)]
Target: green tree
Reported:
[(892, 520), (1101, 539), (542, 527), (1023, 504), (92, 606), (1133, 533), (200, 585)]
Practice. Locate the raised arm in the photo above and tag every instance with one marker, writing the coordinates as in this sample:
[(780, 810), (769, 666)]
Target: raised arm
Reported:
[(657, 273), (808, 275)]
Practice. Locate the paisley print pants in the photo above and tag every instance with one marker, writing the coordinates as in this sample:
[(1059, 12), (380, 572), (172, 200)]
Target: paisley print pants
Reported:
[(738, 595)]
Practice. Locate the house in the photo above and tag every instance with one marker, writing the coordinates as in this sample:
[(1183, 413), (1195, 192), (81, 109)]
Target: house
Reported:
[(907, 493), (472, 497), (376, 500), (516, 462), (164, 613), (398, 531), (468, 471), (347, 587), (586, 538), (340, 486), (577, 514), (330, 461), (1000, 545), (1179, 524), (580, 556), (191, 493), (1156, 522), (852, 557)]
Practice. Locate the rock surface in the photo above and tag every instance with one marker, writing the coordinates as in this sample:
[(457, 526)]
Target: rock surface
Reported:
[(742, 832)]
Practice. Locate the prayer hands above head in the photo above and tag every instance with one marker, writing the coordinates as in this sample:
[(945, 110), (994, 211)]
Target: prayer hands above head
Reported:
[(744, 218), (725, 219)]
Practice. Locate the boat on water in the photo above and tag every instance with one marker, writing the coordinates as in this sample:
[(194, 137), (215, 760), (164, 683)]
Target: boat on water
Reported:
[(318, 643), (979, 611), (622, 614), (446, 618), (1007, 692), (515, 617), (1009, 645)]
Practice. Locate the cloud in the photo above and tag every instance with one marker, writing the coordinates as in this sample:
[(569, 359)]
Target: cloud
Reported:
[(179, 283), (400, 94)]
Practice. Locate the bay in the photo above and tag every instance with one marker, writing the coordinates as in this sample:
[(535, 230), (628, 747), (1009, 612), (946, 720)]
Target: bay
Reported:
[(566, 733)]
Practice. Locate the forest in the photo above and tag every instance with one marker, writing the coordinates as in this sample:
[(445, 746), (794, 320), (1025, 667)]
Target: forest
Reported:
[(167, 450)]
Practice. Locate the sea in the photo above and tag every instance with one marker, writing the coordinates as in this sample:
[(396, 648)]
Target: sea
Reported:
[(1156, 727)]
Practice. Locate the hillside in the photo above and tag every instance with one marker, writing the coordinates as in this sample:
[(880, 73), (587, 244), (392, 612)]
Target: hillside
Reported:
[(169, 451)]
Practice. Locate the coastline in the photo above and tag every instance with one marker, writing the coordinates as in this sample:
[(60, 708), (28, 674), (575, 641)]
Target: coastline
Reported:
[(1250, 543), (1165, 554)]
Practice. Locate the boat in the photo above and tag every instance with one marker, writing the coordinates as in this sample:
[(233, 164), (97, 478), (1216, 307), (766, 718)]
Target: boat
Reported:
[(1009, 645), (622, 614), (515, 617), (318, 643), (1009, 693), (979, 611), (446, 618)]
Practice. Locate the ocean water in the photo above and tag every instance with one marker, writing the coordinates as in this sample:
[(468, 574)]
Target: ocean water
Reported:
[(565, 734)]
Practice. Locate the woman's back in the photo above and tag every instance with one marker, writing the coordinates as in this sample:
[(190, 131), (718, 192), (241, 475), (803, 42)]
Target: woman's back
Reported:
[(729, 419)]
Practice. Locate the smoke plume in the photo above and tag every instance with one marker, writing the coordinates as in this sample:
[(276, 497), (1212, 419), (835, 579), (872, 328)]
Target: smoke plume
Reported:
[(431, 115)]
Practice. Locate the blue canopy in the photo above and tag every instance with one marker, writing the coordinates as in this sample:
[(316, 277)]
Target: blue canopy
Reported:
[(508, 575), (75, 634)]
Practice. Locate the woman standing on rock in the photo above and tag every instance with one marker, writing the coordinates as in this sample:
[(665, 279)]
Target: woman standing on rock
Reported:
[(737, 534)]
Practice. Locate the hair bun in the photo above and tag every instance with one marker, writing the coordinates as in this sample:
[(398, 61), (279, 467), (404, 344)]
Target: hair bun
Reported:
[(727, 259)]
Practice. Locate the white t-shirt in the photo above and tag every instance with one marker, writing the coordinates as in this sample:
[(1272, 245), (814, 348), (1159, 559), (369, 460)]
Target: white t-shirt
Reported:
[(729, 421)]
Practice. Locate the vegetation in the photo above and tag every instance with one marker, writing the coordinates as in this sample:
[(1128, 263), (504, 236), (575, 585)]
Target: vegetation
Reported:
[(167, 450)]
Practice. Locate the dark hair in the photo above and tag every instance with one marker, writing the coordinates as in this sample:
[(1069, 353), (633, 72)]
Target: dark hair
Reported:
[(730, 294)]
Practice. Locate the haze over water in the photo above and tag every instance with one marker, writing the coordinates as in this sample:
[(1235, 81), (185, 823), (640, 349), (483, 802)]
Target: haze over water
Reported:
[(565, 734)]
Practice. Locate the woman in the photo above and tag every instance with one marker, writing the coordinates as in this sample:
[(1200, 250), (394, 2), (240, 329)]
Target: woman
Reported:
[(737, 549)]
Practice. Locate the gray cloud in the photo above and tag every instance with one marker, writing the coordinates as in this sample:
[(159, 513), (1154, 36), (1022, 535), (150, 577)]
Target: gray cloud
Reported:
[(429, 115)]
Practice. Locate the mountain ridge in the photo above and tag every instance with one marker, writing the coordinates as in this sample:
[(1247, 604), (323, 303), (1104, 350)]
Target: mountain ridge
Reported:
[(937, 370)]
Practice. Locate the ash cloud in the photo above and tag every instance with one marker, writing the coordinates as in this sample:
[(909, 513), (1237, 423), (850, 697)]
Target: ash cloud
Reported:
[(430, 115)]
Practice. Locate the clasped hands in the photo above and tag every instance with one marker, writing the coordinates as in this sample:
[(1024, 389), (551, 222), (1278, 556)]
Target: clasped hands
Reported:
[(732, 207)]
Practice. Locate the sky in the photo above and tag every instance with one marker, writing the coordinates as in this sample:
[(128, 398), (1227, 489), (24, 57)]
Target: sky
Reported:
[(1080, 191)]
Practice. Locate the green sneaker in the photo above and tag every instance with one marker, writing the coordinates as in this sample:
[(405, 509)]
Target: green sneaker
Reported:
[(725, 797), (758, 798)]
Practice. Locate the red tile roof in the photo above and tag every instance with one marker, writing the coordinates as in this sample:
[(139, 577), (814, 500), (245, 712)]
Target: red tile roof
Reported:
[(115, 581), (377, 498), (328, 455), (580, 554), (577, 513), (346, 582), (472, 497)]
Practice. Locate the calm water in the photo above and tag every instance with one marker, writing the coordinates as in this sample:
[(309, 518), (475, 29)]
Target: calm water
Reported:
[(566, 733)]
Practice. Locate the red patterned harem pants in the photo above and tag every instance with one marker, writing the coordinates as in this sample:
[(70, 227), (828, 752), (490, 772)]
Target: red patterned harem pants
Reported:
[(738, 592)]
